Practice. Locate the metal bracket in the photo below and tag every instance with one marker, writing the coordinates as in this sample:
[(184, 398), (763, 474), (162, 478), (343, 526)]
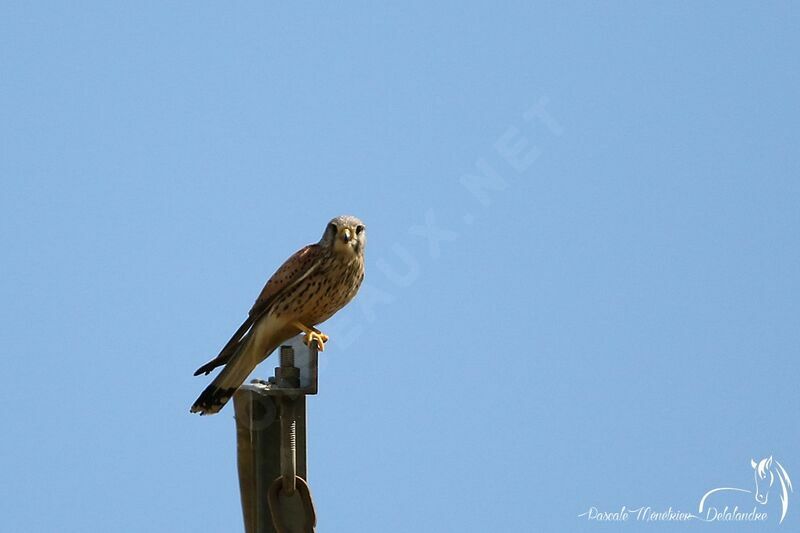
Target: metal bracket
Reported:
[(272, 455)]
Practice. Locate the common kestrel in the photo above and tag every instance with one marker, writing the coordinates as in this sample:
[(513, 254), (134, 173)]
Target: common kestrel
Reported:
[(307, 289)]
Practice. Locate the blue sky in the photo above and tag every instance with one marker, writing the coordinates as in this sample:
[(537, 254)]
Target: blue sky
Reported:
[(608, 318)]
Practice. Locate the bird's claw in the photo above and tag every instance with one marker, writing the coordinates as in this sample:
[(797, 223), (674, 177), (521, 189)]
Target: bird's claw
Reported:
[(318, 337)]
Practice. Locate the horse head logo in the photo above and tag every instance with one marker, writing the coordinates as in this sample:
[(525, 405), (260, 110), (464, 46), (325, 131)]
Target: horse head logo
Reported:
[(765, 472)]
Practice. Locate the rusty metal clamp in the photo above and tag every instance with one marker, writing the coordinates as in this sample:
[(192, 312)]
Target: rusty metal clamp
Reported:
[(289, 498), (292, 513), (271, 432)]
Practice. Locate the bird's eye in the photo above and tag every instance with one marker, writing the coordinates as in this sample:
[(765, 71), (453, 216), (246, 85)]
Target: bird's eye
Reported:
[(359, 229)]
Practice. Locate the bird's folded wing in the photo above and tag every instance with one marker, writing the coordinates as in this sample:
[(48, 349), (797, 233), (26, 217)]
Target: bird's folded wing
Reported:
[(294, 269), (291, 271)]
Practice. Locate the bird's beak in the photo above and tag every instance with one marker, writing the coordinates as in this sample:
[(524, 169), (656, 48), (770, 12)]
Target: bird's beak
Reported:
[(347, 235)]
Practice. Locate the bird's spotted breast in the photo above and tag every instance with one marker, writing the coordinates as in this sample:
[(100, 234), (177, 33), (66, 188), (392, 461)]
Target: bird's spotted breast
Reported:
[(322, 293)]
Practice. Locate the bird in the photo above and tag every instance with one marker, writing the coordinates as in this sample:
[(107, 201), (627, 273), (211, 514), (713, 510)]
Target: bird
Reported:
[(309, 288)]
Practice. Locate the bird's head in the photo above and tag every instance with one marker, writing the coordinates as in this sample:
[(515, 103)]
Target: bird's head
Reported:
[(345, 234)]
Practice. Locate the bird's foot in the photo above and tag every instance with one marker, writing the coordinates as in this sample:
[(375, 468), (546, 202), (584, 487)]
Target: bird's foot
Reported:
[(313, 335), (318, 337)]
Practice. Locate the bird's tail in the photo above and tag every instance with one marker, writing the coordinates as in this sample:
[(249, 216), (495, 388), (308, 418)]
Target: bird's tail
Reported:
[(252, 350)]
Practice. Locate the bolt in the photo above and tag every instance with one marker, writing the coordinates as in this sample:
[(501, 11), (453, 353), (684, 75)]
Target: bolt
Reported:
[(287, 356)]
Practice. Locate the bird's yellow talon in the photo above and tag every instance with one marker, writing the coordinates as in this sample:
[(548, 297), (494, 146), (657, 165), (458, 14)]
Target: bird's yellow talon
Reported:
[(319, 338), (312, 335)]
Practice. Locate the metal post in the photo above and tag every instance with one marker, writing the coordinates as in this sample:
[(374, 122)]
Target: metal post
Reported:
[(271, 445)]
